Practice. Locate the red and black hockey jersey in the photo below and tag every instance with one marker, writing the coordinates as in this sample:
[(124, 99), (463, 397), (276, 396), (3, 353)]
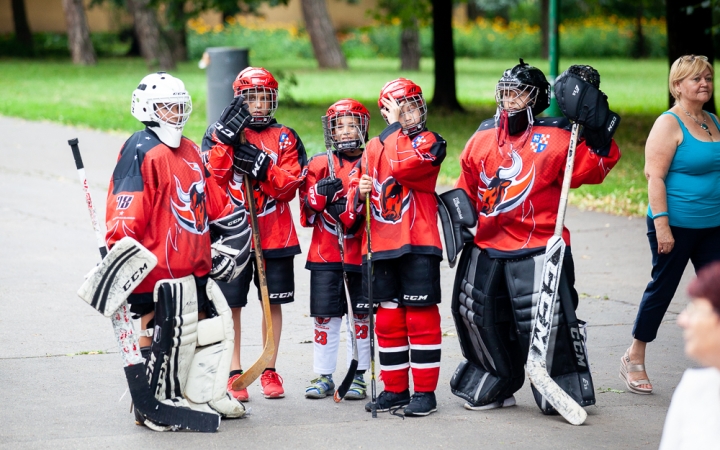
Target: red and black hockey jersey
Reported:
[(517, 191), (403, 205), (287, 160), (162, 198), (324, 252)]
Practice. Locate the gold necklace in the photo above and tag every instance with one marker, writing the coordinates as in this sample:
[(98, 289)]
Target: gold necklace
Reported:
[(703, 125)]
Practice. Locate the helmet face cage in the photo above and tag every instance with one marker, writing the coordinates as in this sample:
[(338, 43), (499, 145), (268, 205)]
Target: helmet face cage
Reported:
[(413, 114), (348, 130), (262, 103), (514, 97), (172, 112)]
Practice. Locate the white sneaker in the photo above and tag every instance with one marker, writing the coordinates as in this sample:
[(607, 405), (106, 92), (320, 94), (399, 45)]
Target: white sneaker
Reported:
[(510, 401)]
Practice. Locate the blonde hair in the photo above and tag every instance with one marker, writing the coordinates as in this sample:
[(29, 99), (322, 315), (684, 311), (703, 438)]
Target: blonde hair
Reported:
[(685, 66)]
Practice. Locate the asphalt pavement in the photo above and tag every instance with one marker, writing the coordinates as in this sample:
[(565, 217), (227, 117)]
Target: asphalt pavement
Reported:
[(61, 378)]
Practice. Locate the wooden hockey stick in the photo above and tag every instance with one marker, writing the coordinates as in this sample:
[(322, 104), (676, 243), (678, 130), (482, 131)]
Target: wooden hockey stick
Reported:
[(142, 396), (350, 376), (536, 365), (252, 374)]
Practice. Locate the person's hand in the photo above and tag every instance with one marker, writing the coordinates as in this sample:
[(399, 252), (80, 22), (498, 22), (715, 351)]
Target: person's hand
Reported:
[(365, 186), (391, 110), (665, 239)]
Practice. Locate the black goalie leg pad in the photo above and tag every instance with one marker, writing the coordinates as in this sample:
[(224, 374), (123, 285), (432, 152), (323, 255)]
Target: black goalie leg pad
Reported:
[(483, 319), (567, 354)]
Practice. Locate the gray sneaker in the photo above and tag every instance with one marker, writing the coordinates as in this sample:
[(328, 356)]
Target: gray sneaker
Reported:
[(320, 387)]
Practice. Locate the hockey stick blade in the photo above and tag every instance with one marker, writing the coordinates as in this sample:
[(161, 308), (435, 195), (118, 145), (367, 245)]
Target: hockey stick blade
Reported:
[(252, 374), (342, 390), (344, 387)]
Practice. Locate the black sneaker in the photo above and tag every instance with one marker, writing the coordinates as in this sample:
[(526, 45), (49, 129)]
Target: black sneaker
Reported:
[(421, 404), (387, 400)]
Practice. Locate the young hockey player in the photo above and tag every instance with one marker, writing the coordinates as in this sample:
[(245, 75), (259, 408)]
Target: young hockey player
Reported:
[(274, 158), (399, 173), (323, 200), (161, 196), (512, 168)]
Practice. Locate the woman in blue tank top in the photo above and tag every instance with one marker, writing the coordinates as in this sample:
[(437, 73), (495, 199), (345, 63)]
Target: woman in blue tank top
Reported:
[(682, 166)]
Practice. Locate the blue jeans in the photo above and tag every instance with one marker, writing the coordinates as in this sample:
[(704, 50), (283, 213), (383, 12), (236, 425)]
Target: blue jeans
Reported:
[(699, 245)]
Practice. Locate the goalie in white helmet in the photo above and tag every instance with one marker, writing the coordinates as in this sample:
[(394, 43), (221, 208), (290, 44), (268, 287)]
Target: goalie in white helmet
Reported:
[(160, 195)]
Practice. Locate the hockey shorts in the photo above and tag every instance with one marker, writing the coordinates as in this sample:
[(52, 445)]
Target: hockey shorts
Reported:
[(280, 273), (327, 293), (410, 280)]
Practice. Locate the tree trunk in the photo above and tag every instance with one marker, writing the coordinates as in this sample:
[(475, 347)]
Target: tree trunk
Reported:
[(81, 47), (545, 28), (473, 11), (22, 29), (639, 47), (410, 47), (689, 31), (152, 43), (325, 45), (176, 32), (444, 53)]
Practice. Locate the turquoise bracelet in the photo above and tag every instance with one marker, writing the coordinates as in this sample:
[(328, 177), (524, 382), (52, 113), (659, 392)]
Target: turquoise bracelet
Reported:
[(660, 214)]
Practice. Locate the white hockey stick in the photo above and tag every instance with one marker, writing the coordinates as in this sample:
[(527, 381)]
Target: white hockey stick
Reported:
[(536, 365), (142, 396)]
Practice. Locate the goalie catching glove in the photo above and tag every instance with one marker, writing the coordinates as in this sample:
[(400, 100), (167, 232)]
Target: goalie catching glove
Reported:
[(230, 249), (324, 193), (234, 118), (582, 102), (250, 160)]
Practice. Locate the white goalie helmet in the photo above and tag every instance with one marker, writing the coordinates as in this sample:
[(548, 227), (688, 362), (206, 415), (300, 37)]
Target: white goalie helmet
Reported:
[(162, 103)]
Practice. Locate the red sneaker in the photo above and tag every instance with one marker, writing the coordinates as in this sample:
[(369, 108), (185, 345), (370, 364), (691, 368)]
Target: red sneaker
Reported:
[(242, 394), (272, 384)]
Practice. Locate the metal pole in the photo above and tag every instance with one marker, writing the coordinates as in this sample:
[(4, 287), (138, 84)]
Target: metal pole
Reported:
[(223, 64), (554, 53)]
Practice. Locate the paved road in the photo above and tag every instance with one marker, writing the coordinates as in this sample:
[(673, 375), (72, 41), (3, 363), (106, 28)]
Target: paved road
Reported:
[(54, 395)]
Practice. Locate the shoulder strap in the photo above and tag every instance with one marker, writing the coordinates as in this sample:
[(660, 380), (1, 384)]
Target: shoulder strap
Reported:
[(714, 119)]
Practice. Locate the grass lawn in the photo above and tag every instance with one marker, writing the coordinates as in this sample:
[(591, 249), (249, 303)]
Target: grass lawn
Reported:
[(99, 97)]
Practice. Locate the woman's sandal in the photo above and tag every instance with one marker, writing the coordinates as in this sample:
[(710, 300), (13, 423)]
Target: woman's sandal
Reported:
[(626, 368)]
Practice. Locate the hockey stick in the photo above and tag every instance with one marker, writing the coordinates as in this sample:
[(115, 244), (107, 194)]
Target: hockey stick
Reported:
[(350, 376), (134, 364), (250, 375), (371, 305), (536, 365)]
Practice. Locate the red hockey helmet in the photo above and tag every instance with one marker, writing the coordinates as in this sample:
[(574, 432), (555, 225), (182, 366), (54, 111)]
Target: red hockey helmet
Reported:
[(409, 96), (260, 90), (347, 135)]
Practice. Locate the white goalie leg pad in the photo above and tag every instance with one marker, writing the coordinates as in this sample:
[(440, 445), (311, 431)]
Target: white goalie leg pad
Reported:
[(174, 338), (206, 389), (362, 335), (110, 283), (325, 344)]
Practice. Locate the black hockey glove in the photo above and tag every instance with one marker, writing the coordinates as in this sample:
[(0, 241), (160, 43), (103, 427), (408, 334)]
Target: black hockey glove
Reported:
[(580, 98), (336, 208), (250, 160), (234, 118), (323, 193), (600, 140)]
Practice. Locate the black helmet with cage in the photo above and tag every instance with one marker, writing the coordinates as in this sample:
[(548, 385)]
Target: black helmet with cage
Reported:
[(523, 86)]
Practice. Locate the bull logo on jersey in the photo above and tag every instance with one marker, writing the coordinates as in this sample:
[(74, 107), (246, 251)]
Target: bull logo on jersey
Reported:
[(264, 204), (504, 192), (389, 202), (189, 208)]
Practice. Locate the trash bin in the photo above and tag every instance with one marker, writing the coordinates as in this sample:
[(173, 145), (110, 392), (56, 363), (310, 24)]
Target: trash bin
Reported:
[(222, 64)]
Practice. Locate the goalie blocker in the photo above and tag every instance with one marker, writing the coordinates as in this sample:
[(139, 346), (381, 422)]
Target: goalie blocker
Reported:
[(493, 305), (457, 214)]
